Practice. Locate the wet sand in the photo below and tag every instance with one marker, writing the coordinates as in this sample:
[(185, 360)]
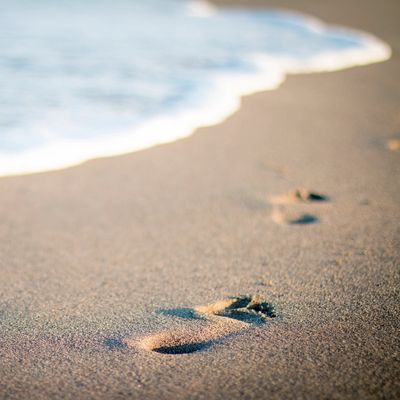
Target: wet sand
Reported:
[(105, 263)]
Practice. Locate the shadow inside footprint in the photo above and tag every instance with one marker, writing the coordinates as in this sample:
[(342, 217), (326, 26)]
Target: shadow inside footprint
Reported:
[(186, 348), (304, 219), (243, 316), (290, 217), (317, 197)]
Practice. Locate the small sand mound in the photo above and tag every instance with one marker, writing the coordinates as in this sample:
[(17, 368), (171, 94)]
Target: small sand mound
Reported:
[(393, 144)]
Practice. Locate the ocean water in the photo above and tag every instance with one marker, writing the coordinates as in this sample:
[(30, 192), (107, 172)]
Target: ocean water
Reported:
[(81, 79)]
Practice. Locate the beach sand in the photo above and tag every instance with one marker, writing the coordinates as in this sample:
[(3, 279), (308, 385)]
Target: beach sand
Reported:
[(114, 272)]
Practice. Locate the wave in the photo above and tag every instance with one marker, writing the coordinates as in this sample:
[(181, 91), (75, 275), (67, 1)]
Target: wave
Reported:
[(220, 97)]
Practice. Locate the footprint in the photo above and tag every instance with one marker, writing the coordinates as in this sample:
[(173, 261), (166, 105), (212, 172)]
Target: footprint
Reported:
[(292, 217), (295, 216), (223, 318), (393, 144)]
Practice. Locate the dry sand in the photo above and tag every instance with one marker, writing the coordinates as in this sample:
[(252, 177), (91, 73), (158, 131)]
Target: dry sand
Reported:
[(105, 262)]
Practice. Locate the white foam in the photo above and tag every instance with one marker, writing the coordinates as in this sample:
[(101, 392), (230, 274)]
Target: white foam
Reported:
[(223, 100)]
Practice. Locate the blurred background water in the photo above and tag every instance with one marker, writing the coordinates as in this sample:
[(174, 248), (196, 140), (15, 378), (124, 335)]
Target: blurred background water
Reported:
[(82, 78)]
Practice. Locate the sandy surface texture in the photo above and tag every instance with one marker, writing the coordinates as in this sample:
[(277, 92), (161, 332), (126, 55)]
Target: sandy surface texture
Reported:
[(208, 268)]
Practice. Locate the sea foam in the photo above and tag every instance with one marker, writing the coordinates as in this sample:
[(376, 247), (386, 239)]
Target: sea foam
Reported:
[(87, 79)]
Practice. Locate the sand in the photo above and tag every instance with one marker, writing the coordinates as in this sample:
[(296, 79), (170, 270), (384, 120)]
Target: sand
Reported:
[(104, 263)]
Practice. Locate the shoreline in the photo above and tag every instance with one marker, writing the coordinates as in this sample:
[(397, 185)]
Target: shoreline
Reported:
[(118, 251), (270, 72)]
